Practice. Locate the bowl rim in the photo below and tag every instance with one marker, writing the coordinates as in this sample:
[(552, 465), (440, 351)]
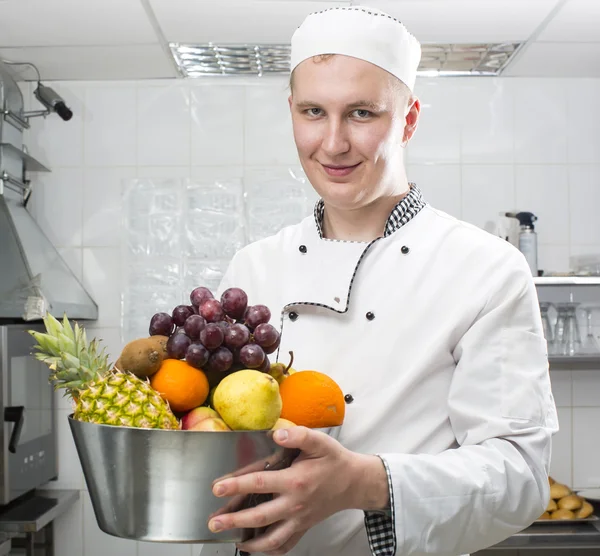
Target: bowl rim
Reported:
[(71, 418)]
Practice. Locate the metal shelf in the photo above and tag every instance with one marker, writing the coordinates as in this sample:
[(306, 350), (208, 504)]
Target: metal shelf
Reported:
[(575, 362), (31, 164), (553, 536), (567, 280)]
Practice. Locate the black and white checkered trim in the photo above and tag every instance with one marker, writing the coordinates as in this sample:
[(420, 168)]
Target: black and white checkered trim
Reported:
[(402, 213), (381, 530)]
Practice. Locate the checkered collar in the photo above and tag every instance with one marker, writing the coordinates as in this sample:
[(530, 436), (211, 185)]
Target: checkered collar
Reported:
[(401, 214)]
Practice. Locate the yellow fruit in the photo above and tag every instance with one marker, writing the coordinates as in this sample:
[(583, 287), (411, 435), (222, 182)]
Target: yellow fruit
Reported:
[(248, 400), (280, 372), (283, 424)]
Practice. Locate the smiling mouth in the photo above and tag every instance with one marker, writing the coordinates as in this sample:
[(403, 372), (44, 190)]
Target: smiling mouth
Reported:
[(337, 170)]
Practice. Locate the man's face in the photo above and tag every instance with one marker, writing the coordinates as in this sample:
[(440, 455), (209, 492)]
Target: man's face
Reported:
[(349, 120)]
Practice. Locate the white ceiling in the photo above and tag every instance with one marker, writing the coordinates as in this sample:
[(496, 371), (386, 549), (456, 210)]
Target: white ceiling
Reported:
[(128, 39)]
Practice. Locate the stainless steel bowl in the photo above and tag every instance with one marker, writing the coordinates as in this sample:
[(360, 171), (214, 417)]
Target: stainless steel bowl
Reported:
[(156, 485)]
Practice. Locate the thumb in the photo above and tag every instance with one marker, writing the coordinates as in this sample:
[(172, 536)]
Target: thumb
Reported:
[(310, 442)]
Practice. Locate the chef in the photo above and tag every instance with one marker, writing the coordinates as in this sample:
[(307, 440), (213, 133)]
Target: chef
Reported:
[(431, 326)]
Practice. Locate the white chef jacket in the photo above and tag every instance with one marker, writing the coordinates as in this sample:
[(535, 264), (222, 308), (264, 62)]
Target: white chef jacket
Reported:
[(448, 373)]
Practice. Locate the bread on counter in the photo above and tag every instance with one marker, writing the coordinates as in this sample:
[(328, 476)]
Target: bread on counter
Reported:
[(564, 504)]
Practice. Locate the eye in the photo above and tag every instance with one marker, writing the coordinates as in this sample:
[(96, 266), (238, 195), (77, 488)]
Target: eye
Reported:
[(362, 114), (313, 111)]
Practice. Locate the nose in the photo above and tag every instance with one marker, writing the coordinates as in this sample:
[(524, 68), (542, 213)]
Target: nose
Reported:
[(335, 139)]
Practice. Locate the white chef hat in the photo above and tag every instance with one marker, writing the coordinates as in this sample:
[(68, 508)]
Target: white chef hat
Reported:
[(360, 32)]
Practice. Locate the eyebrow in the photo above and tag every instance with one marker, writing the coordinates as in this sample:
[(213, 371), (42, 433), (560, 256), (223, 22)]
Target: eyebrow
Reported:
[(361, 103)]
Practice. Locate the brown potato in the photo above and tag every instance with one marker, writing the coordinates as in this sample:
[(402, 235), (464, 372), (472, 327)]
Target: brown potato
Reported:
[(571, 502), (545, 515), (551, 481), (558, 490), (562, 514), (585, 511), (552, 507)]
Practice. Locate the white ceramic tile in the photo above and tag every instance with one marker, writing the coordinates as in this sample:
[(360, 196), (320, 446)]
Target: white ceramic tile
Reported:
[(102, 278), (218, 125), (584, 183), (540, 121), (487, 191), (70, 475), (561, 461), (268, 135), (158, 549), (544, 190), (561, 388), (110, 126), (110, 338), (60, 200), (102, 204), (553, 258), (63, 402), (487, 130), (216, 173), (583, 130), (163, 172), (57, 142), (98, 543), (73, 256), (586, 447), (437, 138), (586, 387), (440, 184), (68, 531), (163, 125)]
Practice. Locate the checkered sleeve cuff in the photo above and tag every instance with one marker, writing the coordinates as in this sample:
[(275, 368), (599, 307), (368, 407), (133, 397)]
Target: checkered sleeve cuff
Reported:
[(381, 530)]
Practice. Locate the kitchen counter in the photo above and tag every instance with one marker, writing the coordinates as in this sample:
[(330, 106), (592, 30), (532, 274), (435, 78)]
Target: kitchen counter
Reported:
[(556, 536), (32, 514), (5, 544)]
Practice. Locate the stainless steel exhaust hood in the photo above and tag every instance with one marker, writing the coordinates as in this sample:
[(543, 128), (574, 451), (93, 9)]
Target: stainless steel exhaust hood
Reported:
[(34, 278)]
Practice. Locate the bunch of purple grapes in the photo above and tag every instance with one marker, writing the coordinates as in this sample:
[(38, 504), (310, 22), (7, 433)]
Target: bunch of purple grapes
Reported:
[(219, 336)]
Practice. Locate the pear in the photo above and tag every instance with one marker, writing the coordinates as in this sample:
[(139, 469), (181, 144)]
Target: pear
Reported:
[(248, 400), (211, 424), (280, 372), (283, 424)]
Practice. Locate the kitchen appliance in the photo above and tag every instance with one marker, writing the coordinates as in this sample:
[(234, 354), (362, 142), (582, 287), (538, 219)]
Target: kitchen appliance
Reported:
[(28, 437)]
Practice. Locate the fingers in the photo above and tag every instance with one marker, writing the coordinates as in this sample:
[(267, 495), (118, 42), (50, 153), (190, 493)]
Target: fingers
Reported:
[(276, 540), (254, 467), (262, 482), (312, 443), (259, 516)]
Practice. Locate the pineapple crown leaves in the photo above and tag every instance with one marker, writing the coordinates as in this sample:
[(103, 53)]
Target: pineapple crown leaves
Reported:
[(66, 351)]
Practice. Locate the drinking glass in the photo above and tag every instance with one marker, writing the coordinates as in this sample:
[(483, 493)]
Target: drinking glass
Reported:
[(567, 336)]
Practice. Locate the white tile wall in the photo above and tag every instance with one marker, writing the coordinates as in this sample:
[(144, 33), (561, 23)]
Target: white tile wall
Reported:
[(483, 146)]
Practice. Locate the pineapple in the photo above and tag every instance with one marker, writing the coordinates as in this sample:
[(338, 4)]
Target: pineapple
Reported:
[(102, 394)]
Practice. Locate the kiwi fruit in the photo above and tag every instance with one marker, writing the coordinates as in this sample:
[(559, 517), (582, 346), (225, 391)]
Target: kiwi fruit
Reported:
[(144, 356)]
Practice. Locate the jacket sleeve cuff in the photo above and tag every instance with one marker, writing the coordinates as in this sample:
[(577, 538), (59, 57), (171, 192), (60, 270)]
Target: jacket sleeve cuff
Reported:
[(380, 525)]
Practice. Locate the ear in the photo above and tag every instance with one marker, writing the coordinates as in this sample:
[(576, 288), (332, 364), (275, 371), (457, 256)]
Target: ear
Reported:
[(412, 119), (290, 101)]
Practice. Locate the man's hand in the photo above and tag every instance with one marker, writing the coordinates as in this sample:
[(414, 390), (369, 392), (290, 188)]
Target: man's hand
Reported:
[(325, 478)]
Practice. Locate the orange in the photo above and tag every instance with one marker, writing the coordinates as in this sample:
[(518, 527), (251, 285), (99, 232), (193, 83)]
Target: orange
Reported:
[(312, 399), (180, 384)]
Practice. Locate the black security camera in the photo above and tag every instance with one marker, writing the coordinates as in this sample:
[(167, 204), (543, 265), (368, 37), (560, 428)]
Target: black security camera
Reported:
[(53, 101)]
